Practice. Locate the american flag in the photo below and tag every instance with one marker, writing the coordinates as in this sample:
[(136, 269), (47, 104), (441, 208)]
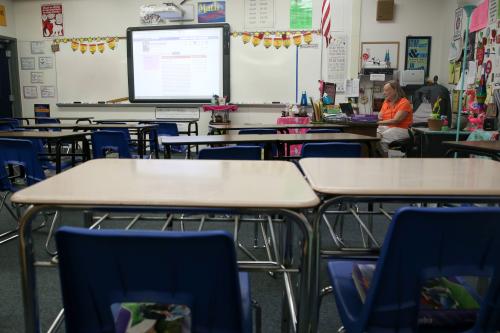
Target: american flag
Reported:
[(326, 21)]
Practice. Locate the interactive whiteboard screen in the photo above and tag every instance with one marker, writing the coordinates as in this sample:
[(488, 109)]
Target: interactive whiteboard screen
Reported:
[(186, 63)]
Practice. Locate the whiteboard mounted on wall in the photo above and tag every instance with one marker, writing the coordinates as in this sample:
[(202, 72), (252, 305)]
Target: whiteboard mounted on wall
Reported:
[(90, 78)]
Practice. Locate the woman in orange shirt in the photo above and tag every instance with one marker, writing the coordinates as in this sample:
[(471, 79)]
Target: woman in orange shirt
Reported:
[(395, 117)]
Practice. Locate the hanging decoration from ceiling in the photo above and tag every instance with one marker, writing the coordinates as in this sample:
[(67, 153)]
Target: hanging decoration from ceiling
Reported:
[(94, 45)]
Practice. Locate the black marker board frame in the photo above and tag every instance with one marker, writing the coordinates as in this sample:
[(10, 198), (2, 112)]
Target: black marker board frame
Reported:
[(225, 61)]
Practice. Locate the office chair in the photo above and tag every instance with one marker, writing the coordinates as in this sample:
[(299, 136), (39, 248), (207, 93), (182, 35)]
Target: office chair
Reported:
[(331, 149), (196, 269), (423, 243), (104, 142), (231, 153), (324, 130), (407, 146)]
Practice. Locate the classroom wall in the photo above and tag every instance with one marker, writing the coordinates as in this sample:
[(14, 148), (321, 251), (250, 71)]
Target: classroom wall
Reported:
[(10, 29), (418, 18)]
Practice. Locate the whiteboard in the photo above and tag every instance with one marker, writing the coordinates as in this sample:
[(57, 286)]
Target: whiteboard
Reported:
[(90, 78)]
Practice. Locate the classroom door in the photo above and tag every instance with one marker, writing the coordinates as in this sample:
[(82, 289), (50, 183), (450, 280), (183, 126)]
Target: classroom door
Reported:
[(5, 89)]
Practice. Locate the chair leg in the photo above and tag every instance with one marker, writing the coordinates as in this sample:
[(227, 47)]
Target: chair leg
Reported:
[(258, 316), (51, 233)]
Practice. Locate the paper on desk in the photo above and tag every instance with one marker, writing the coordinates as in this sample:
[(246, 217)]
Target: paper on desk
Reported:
[(471, 73), (352, 88)]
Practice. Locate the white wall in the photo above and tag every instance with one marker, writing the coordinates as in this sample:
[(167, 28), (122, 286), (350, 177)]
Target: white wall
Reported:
[(418, 18), (10, 29)]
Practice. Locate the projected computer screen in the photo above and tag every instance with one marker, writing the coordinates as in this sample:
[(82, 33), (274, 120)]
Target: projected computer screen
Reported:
[(187, 63)]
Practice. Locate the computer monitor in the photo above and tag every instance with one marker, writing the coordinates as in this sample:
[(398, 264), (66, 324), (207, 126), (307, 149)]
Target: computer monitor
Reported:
[(347, 109)]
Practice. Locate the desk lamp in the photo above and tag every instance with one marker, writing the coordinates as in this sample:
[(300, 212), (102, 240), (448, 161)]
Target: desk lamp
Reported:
[(468, 8)]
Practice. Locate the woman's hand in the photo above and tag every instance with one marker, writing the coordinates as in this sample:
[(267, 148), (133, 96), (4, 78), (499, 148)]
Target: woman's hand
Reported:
[(399, 117)]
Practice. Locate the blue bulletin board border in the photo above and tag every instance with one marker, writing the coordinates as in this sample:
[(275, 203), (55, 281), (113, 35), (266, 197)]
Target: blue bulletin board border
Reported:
[(418, 53)]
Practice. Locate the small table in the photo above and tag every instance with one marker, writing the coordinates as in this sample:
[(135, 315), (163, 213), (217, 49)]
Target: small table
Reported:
[(484, 148), (147, 121), (430, 141), (266, 139), (245, 187), (77, 119), (436, 180), (59, 138), (141, 129)]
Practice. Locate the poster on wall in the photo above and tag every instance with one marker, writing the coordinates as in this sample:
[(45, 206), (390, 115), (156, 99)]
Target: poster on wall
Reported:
[(210, 12), (30, 92), (47, 91), (259, 14), (3, 16), (45, 63), (479, 19), (418, 53), (337, 62), (42, 110), (52, 20), (300, 14), (36, 77), (27, 63)]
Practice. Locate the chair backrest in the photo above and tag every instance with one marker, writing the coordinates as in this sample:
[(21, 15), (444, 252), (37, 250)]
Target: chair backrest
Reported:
[(423, 243), (47, 120), (6, 127), (197, 269), (103, 141), (164, 129), (117, 129), (324, 130), (23, 153), (231, 153), (12, 121), (331, 149)]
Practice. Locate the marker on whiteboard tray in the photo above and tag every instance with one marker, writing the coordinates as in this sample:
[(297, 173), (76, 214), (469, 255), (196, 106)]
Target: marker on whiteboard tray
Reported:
[(275, 102), (77, 102)]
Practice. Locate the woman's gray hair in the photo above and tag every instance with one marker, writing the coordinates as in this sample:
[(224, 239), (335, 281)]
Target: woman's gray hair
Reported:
[(399, 91)]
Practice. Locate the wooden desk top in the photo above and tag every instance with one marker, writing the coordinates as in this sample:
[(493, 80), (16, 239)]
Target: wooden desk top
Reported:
[(175, 183), (87, 126), (262, 138), (425, 130), (232, 127), (135, 120), (485, 146), (38, 134), (60, 118), (403, 176)]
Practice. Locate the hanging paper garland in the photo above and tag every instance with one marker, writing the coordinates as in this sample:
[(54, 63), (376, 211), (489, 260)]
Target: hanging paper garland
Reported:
[(100, 47), (92, 48), (111, 43), (74, 45), (83, 48), (276, 38)]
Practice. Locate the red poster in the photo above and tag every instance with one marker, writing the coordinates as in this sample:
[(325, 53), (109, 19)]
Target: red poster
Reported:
[(52, 20)]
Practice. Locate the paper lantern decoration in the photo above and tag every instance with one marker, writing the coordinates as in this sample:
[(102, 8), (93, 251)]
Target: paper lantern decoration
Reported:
[(83, 48), (257, 38), (286, 40), (308, 37), (92, 48), (297, 39), (278, 41), (245, 37), (268, 41), (111, 43), (74, 45), (100, 47)]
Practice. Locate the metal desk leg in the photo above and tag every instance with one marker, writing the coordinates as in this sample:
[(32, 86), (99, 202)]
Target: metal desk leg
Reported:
[(28, 279), (58, 155), (140, 144)]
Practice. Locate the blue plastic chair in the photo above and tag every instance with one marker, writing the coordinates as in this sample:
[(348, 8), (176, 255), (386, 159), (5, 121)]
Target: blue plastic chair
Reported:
[(324, 130), (105, 141), (331, 149), (422, 243), (6, 127), (47, 120), (166, 129), (274, 148), (231, 153), (13, 122), (197, 269)]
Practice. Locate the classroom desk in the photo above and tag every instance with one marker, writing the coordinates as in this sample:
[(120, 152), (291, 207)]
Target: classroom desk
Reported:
[(77, 119), (267, 139), (145, 121), (431, 142), (283, 128), (358, 127), (394, 180), (484, 148), (141, 130), (245, 187), (59, 138)]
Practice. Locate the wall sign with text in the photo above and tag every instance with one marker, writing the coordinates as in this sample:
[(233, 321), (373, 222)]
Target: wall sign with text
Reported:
[(418, 53)]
